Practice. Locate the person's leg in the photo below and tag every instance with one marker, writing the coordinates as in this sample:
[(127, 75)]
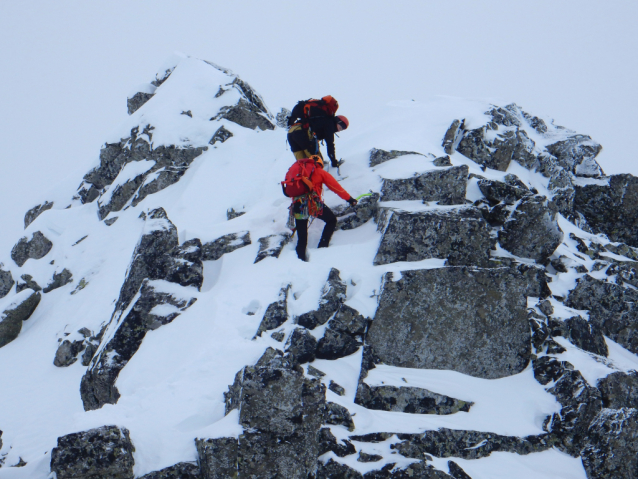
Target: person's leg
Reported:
[(331, 223), (302, 238)]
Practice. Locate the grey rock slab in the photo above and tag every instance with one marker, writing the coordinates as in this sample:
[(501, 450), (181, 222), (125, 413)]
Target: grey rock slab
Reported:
[(350, 217), (407, 399), (445, 186), (181, 470), (301, 346), (6, 282), (457, 471), (213, 250), (473, 321), (68, 352), (332, 297), (282, 118), (449, 140), (18, 310), (105, 452), (344, 334), (612, 445), (59, 279), (36, 248), (272, 245), (381, 156), (619, 390), (217, 457), (28, 282), (231, 214), (581, 333), (98, 384), (459, 235), (36, 211), (335, 470), (184, 264), (276, 313), (611, 209), (338, 415), (531, 231)]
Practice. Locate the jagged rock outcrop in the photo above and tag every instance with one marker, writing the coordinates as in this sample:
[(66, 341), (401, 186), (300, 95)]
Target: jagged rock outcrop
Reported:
[(221, 135), (19, 308), (445, 186), (36, 211), (27, 283), (276, 313), (332, 297), (577, 154), (105, 452), (281, 412), (147, 91), (531, 231), (250, 111), (156, 306), (419, 318), (380, 156), (459, 235), (507, 193), (213, 250), (349, 217), (580, 333), (69, 349), (337, 415), (37, 247), (6, 282), (611, 309), (282, 118), (612, 208), (334, 470), (344, 334), (301, 346)]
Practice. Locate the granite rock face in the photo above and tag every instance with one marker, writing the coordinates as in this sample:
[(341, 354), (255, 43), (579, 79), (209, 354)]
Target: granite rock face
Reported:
[(18, 310), (36, 248), (281, 412), (445, 186), (531, 231), (105, 453), (611, 209), (469, 320), (459, 235), (217, 457), (611, 309), (36, 211), (612, 445)]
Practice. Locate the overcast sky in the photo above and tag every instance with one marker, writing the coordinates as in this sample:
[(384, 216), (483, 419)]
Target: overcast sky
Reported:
[(68, 66)]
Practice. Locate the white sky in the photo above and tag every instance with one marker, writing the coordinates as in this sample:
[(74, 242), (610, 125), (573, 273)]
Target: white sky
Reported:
[(68, 66)]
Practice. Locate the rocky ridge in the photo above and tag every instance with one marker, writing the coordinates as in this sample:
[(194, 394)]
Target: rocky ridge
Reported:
[(478, 301)]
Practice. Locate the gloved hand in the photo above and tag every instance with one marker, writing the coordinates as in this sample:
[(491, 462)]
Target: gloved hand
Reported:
[(352, 201)]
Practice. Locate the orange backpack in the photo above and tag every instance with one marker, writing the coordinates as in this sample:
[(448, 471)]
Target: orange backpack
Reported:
[(298, 180), (327, 104)]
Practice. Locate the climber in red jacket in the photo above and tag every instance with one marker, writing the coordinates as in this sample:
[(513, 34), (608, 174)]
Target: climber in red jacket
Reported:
[(311, 204)]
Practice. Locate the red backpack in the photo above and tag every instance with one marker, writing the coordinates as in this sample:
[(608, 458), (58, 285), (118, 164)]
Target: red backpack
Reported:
[(298, 180)]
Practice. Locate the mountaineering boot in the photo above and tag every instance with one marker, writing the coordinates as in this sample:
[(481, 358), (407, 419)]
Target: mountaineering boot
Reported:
[(337, 164), (323, 243)]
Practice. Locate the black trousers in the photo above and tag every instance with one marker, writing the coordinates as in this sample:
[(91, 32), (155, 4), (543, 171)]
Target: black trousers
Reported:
[(302, 232)]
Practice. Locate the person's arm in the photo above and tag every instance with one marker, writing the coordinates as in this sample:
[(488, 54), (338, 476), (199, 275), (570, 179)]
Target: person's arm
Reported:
[(333, 185), (330, 144)]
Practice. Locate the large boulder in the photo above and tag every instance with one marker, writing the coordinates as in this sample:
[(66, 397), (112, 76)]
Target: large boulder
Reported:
[(217, 457), (213, 250), (445, 186), (37, 247), (459, 235), (612, 445), (409, 400), (281, 412), (272, 246), (620, 390), (611, 209), (473, 321), (276, 313), (332, 297), (15, 310), (105, 453), (577, 154), (378, 156), (181, 470), (531, 231)]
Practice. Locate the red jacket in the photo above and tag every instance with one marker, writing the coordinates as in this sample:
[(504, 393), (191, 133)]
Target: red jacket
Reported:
[(320, 177)]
